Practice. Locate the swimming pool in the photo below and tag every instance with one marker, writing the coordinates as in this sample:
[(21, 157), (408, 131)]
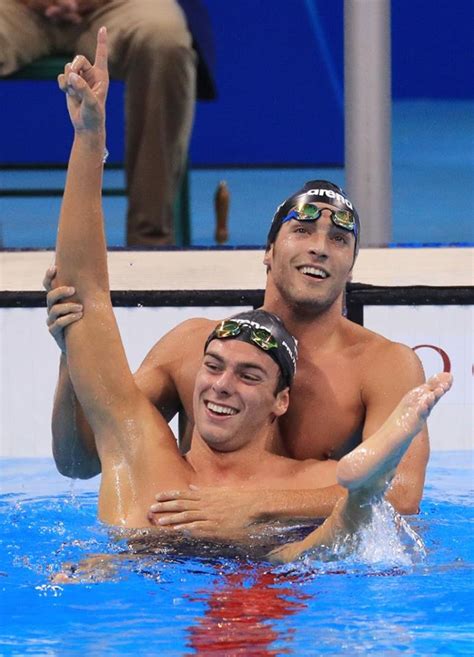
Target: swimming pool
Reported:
[(173, 605)]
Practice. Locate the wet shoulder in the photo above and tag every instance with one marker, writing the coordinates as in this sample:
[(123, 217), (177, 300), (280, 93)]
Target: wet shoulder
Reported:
[(200, 326), (378, 353), (186, 340), (367, 341)]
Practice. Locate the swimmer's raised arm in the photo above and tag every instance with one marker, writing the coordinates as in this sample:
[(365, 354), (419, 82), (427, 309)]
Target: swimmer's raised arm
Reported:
[(81, 249), (135, 445), (96, 358)]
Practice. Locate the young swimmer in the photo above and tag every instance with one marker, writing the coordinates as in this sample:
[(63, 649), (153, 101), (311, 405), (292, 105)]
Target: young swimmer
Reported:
[(241, 388)]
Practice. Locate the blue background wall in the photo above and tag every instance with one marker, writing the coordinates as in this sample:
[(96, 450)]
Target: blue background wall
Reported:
[(280, 81)]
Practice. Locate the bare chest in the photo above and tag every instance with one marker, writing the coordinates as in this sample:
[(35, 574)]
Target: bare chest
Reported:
[(326, 412)]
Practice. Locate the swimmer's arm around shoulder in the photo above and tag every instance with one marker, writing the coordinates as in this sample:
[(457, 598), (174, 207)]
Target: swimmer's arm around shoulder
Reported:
[(224, 511), (396, 370), (291, 504), (73, 445)]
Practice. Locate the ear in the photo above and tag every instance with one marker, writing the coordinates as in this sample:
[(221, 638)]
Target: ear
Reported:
[(267, 258), (282, 401)]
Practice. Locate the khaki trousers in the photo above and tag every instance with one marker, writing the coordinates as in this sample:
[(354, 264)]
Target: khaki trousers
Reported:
[(150, 48)]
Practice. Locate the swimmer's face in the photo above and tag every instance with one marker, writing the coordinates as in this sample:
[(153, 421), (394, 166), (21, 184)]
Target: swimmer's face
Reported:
[(310, 263), (234, 395)]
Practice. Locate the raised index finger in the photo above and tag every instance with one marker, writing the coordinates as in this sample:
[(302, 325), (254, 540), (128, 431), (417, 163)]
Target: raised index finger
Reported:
[(101, 51)]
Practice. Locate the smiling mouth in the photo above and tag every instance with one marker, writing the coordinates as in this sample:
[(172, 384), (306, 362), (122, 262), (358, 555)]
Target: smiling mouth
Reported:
[(313, 272), (220, 410)]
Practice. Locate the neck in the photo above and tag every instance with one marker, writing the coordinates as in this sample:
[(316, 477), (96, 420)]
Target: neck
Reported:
[(320, 323), (235, 467)]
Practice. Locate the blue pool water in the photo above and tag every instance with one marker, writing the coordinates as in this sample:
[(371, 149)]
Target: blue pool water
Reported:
[(169, 604)]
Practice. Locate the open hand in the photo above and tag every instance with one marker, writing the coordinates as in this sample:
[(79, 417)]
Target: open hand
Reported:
[(210, 512), (86, 86)]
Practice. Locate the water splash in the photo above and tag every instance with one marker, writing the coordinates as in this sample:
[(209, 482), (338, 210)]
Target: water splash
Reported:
[(52, 590), (388, 539), (386, 542)]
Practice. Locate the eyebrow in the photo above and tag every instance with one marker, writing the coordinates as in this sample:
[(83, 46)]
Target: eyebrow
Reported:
[(339, 229), (253, 366), (209, 352), (240, 366)]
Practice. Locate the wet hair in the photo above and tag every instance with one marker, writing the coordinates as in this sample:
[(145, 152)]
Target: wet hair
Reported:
[(314, 191), (285, 354)]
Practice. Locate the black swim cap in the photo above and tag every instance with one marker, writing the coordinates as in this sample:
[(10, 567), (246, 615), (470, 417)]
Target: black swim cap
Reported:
[(314, 191), (251, 327)]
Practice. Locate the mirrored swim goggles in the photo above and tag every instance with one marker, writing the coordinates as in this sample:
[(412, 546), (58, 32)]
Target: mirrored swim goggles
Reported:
[(311, 212), (230, 328)]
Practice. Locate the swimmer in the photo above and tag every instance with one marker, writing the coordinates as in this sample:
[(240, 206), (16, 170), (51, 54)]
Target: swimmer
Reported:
[(342, 393)]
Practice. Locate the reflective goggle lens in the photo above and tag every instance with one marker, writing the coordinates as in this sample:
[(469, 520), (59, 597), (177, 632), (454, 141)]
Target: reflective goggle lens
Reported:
[(227, 329), (310, 212), (263, 339), (344, 219), (259, 336)]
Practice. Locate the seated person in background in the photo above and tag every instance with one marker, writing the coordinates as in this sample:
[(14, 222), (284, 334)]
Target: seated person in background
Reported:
[(241, 388), (152, 48)]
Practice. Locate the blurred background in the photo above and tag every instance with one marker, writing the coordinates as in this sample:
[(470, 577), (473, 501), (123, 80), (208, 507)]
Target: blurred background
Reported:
[(277, 122)]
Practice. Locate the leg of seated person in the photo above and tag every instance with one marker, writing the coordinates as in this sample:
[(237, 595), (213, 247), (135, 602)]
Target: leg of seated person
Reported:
[(151, 49), (24, 36)]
